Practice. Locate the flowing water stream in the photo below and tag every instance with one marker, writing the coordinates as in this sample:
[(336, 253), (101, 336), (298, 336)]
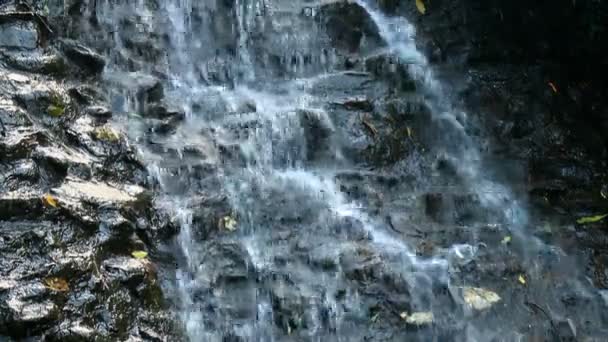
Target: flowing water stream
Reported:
[(303, 250)]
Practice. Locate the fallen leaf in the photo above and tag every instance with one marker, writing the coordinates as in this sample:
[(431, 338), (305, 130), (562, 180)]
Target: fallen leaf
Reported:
[(107, 133), (409, 131), (55, 111), (506, 240), (553, 87), (57, 284), (420, 318), (591, 219), (521, 279), (139, 254), (403, 315), (480, 299), (49, 200), (229, 223), (420, 6)]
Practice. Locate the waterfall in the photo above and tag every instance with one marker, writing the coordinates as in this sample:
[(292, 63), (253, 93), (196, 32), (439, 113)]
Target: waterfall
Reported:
[(249, 88), (400, 36)]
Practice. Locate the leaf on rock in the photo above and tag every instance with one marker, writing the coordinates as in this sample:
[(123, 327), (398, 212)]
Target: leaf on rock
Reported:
[(57, 284), (49, 201), (591, 219), (420, 6), (55, 111), (521, 279), (139, 254), (553, 87), (107, 133), (229, 223), (506, 240), (420, 318), (480, 299)]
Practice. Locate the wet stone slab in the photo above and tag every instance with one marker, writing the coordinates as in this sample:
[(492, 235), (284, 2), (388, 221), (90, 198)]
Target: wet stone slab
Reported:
[(18, 35)]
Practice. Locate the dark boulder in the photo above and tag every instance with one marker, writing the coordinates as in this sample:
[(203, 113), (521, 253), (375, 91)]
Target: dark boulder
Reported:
[(349, 26), (83, 57)]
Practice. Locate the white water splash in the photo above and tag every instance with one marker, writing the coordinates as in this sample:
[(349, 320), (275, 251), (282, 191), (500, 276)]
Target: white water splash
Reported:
[(400, 35)]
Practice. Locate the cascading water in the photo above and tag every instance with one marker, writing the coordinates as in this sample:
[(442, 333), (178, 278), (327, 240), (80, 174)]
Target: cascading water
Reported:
[(302, 250)]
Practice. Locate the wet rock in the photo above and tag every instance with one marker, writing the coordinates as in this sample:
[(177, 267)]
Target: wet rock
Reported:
[(38, 97), (20, 204), (150, 91), (21, 35), (101, 194), (65, 158), (162, 112), (226, 262), (318, 131), (360, 263), (74, 331), (98, 112), (18, 143), (435, 208), (289, 303), (86, 95), (349, 26), (323, 256), (388, 6), (390, 68), (357, 103), (125, 270), (38, 62), (26, 309), (83, 57), (164, 120), (565, 330)]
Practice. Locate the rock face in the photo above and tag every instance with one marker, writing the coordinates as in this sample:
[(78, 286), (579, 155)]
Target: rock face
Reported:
[(18, 35), (73, 202)]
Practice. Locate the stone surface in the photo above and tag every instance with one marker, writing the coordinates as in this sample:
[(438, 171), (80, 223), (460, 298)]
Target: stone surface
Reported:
[(83, 57), (18, 35), (98, 193)]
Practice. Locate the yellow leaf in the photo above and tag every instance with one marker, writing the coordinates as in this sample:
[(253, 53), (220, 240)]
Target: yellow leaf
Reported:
[(139, 254), (506, 240), (57, 284), (421, 7), (591, 219), (409, 131), (522, 280), (49, 200), (229, 223), (107, 133)]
